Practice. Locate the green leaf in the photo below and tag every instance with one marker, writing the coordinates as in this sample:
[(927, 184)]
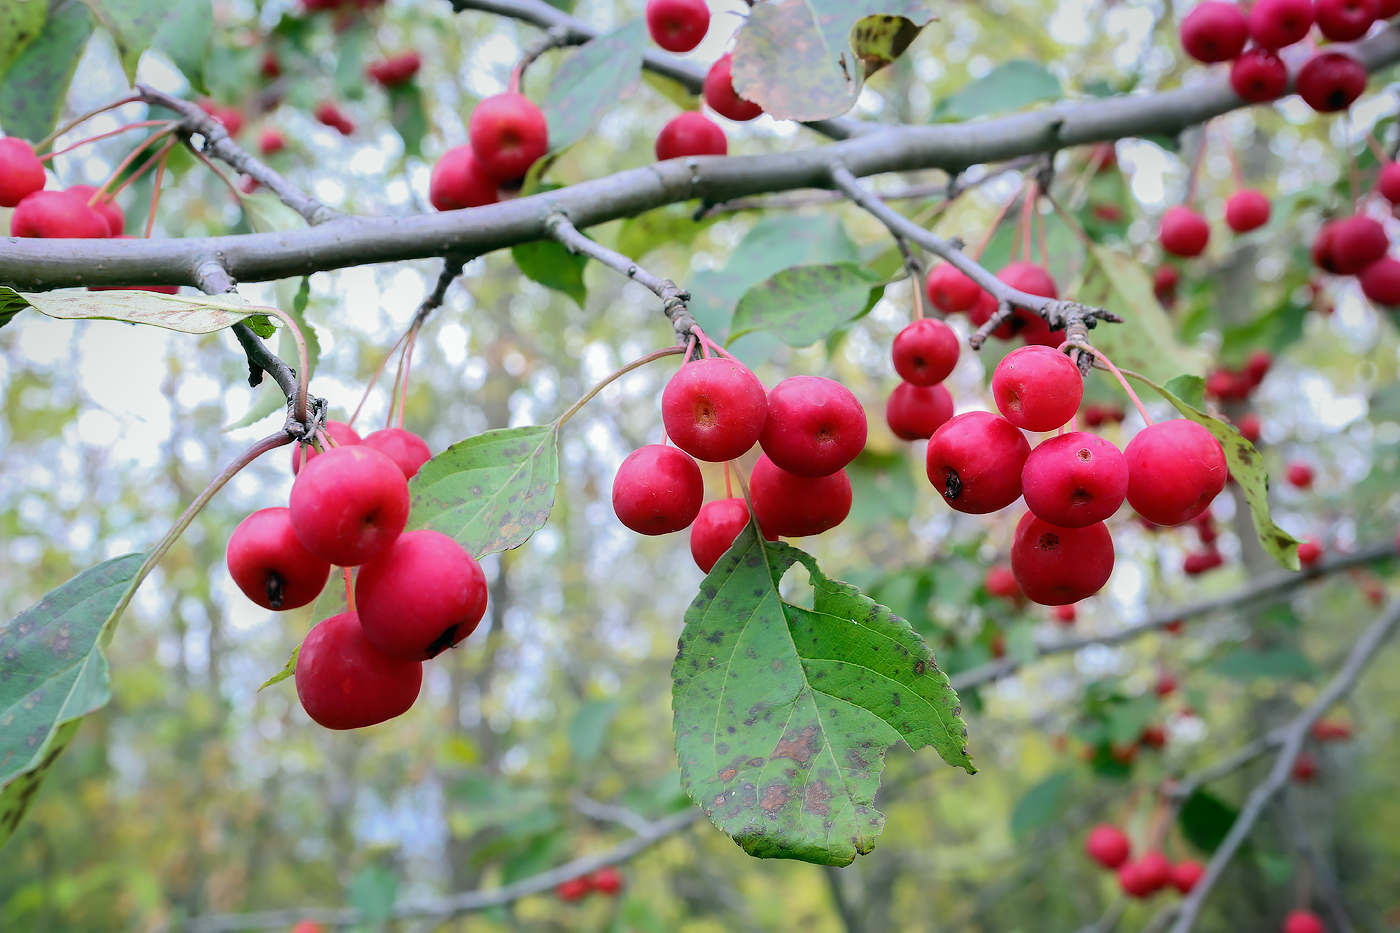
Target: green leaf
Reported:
[(1145, 341), (21, 21), (673, 223), (132, 24), (10, 305), (1128, 719), (489, 492), (589, 728), (349, 77), (882, 488), (782, 715), (297, 302), (1247, 468), (797, 58), (408, 116), (188, 314), (184, 37), (1205, 820), (1190, 389), (671, 89), (597, 75), (52, 674), (552, 265), (36, 84), (805, 304), (1040, 807), (1245, 664), (373, 892), (1009, 86), (266, 214), (287, 671)]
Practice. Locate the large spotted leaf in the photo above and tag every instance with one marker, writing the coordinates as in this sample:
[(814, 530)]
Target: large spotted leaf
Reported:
[(783, 714)]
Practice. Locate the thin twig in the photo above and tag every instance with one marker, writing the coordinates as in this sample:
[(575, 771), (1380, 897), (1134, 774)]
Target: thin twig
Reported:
[(610, 813)]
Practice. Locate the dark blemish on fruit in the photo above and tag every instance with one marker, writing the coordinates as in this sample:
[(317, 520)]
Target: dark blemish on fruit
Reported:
[(443, 641), (952, 484), (1049, 541), (1085, 454), (274, 591)]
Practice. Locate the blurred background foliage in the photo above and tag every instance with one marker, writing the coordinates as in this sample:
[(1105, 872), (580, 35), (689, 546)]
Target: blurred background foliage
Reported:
[(192, 793)]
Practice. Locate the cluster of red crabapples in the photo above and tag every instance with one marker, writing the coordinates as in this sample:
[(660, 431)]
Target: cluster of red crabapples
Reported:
[(606, 880), (715, 409), (415, 594), (1110, 847)]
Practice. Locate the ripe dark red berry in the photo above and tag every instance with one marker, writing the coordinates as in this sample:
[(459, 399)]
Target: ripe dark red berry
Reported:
[(1000, 582), (1246, 210), (915, 412), (1250, 426), (270, 565), (952, 292), (606, 880), (508, 134), (1184, 232), (1304, 768), (1380, 281), (1356, 242), (795, 506), (1130, 877), (1345, 20), (974, 462), (1309, 552), (574, 889), (1258, 76), (925, 352), (1075, 479), (421, 596), (1214, 31), (1185, 874), (1154, 736), (271, 142), (1175, 469), (1198, 562), (1331, 730), (1155, 871), (1274, 24), (1056, 566), (328, 113), (720, 95), (1037, 388), (690, 134), (349, 504), (21, 172), (230, 117), (657, 490), (405, 448), (341, 433), (815, 426), (459, 181), (715, 529), (104, 205), (1066, 615), (677, 25), (1303, 921), (1164, 282), (1108, 845), (61, 214), (344, 682), (1331, 81), (396, 70), (1300, 474), (1387, 183), (714, 409)]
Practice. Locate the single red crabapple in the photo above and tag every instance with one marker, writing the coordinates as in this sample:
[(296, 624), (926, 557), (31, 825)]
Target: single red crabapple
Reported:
[(720, 94), (405, 448), (1274, 24), (796, 506), (1300, 474), (349, 504), (1174, 627), (1309, 552), (715, 529), (1000, 582), (396, 70), (1331, 81), (1166, 684), (230, 117), (270, 142), (1250, 427), (104, 205), (270, 565), (1198, 562), (606, 880), (815, 426), (329, 114), (1055, 566), (1108, 845), (1258, 364), (57, 214), (1164, 282), (1345, 20), (1246, 210), (657, 490), (690, 134), (1125, 753), (1214, 32), (1388, 9), (1175, 469), (1322, 246), (1156, 870), (1037, 388), (1387, 183), (1380, 281), (1066, 615), (1304, 768), (1356, 243), (981, 312), (951, 291), (271, 68), (341, 433), (1029, 278), (1130, 877), (1184, 232), (1153, 736), (21, 172), (915, 412), (714, 409), (1331, 730), (1303, 921), (1185, 874), (574, 889), (1259, 76), (677, 25), (1033, 280), (1226, 385), (421, 596), (925, 352), (1075, 479), (508, 135), (459, 181), (344, 682), (999, 646), (974, 461)]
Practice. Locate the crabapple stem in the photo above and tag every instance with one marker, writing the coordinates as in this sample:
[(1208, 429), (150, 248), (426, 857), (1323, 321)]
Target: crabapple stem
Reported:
[(1099, 357), (155, 188), (349, 588), (237, 195), (124, 163), (706, 341), (375, 378), (48, 140), (1374, 145), (635, 364), (92, 139), (728, 486), (1196, 161)]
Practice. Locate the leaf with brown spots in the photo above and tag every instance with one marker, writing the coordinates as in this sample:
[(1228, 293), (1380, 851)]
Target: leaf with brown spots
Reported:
[(783, 714)]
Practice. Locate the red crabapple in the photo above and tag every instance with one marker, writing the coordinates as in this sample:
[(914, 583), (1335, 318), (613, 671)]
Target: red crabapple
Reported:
[(1356, 243), (1175, 469), (573, 889), (714, 409), (459, 181), (1166, 684), (1108, 845), (974, 461), (231, 118), (1055, 566), (796, 506), (925, 352), (1154, 736), (21, 172), (329, 114), (1246, 210), (1309, 552), (104, 205), (1380, 281), (1185, 874), (396, 70), (815, 426), (720, 95), (606, 880), (270, 565), (1331, 81), (1075, 479), (1300, 474), (341, 433), (690, 134), (508, 134), (1387, 183), (421, 596), (715, 529), (1131, 879), (915, 412), (1303, 921), (1164, 282), (657, 490), (1066, 615), (405, 448), (344, 682), (349, 504), (1388, 9), (1274, 24), (1345, 20), (1198, 562), (1250, 427), (1037, 388), (1155, 870), (1214, 31), (951, 291), (271, 142), (1000, 582), (1183, 232), (51, 214), (1258, 76), (677, 25)]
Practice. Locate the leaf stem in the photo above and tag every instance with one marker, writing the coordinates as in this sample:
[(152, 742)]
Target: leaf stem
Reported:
[(635, 364)]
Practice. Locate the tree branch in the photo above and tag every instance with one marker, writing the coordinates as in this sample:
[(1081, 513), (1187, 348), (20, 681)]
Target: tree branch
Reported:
[(30, 265)]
